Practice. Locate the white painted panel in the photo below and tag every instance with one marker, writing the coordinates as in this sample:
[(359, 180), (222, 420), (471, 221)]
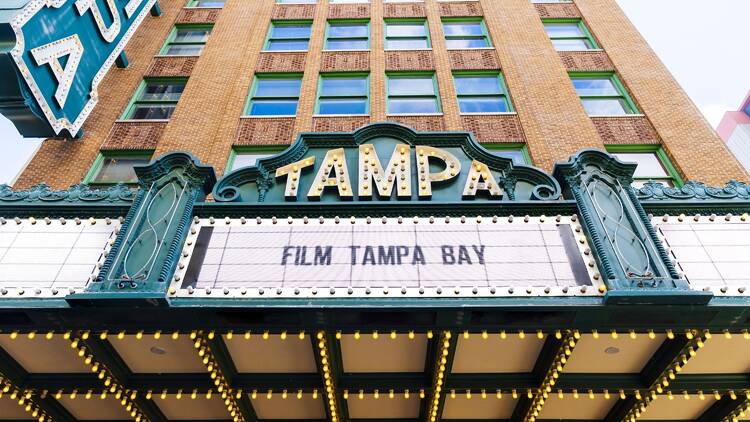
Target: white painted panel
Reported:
[(739, 144)]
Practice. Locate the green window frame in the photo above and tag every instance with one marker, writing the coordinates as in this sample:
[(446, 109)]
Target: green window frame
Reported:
[(259, 151), (196, 44), (161, 102), (334, 42), (670, 174), (209, 4), (569, 42), (471, 41), (295, 42), (392, 39), (404, 98), (94, 175), (256, 97), (477, 100), (296, 1), (355, 99), (516, 151), (616, 101)]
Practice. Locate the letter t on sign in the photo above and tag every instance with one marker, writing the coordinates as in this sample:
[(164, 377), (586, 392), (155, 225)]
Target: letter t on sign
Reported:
[(292, 171)]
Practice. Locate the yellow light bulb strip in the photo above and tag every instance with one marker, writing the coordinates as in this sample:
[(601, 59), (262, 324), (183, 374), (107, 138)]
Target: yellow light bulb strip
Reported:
[(125, 396), (569, 339), (439, 378), (24, 398), (696, 341), (330, 386), (228, 395), (742, 410)]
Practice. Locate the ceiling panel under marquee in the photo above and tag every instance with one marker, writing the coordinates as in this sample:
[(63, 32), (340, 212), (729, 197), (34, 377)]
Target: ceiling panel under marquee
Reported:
[(677, 408), (164, 355), (40, 355), (94, 408), (187, 408), (584, 407), (293, 407), (721, 355), (488, 353), (606, 354), (269, 353), (383, 407), (363, 353), (491, 408), (9, 410)]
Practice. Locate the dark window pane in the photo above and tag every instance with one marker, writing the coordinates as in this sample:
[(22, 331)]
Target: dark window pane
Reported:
[(291, 31), (343, 87), (347, 44), (115, 170), (411, 86), (747, 110), (474, 28), (210, 3), (348, 30), (515, 155), (288, 45), (483, 105), (192, 35), (405, 30), (273, 108), (278, 87), (397, 44), (605, 107), (467, 43), (595, 86), (571, 45), (152, 111), (162, 92), (343, 106), (556, 30), (489, 84), (415, 106), (184, 50)]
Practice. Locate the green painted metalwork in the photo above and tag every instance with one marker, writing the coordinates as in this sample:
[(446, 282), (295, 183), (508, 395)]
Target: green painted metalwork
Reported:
[(625, 244), (144, 256)]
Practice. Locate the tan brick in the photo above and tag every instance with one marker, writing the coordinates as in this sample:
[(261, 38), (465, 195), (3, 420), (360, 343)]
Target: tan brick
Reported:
[(264, 131), (586, 61), (632, 130), (177, 66)]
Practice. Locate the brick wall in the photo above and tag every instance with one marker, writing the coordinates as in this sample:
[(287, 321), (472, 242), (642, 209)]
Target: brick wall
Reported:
[(691, 143)]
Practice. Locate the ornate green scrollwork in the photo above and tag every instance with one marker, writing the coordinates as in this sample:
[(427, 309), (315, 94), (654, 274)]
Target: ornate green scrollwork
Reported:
[(147, 248), (83, 193), (655, 191), (625, 244)]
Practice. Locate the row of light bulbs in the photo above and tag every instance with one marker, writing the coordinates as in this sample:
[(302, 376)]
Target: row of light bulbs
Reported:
[(440, 375), (325, 363), (222, 386), (569, 341), (24, 399), (393, 334)]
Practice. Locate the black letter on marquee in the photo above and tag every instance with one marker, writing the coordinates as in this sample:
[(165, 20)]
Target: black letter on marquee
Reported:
[(386, 258), (323, 258), (418, 257), (286, 254), (369, 256), (402, 252), (463, 255), (448, 258), (354, 254), (303, 259), (480, 253)]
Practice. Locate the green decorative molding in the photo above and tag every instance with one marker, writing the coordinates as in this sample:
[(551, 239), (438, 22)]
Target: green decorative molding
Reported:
[(145, 253), (630, 255), (80, 193), (655, 191)]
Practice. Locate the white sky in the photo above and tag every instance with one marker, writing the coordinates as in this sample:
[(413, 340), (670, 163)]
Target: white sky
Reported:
[(703, 43)]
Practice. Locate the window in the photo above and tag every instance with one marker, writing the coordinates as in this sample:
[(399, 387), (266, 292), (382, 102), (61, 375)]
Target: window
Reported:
[(552, 1), (206, 3), (348, 35), (653, 164), (116, 167), (463, 34), (155, 99), (249, 156), (747, 109), (186, 41), (406, 35), (288, 36), (569, 35), (412, 94), (295, 1), (274, 95), (481, 92), (343, 94), (602, 94), (515, 151), (347, 1)]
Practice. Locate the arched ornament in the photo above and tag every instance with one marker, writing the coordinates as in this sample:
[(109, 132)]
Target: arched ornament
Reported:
[(383, 162)]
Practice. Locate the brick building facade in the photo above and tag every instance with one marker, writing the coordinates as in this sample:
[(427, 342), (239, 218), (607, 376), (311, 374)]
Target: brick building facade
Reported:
[(546, 121)]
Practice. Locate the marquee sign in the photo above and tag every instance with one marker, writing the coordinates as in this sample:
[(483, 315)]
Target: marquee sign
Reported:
[(61, 51), (386, 163)]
